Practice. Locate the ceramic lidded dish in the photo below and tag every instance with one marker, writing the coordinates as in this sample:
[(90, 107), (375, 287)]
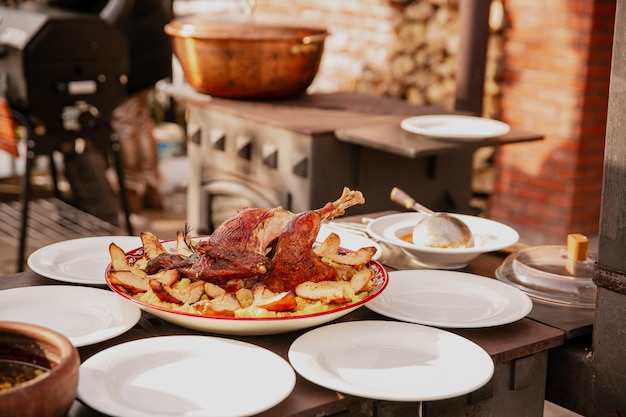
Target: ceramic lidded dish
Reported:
[(51, 390), (554, 273)]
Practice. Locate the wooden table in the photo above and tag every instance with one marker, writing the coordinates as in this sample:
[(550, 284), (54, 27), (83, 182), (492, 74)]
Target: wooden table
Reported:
[(519, 351), (388, 136), (435, 171)]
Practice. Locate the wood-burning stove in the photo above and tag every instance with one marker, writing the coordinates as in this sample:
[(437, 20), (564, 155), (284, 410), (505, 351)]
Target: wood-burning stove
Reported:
[(288, 153)]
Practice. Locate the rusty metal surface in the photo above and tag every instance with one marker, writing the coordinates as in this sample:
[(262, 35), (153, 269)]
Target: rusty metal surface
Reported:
[(608, 390), (612, 236), (610, 279), (609, 350)]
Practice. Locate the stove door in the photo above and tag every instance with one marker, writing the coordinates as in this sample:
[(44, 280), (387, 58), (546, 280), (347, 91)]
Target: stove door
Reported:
[(222, 198)]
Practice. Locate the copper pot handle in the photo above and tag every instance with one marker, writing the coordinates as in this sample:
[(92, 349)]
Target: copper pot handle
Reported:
[(307, 44), (249, 7), (319, 37)]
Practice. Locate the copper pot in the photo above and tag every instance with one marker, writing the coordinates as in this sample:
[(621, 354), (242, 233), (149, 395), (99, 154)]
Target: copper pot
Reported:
[(247, 57)]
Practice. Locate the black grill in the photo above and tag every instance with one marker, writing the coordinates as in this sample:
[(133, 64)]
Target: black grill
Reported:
[(63, 73), (66, 70)]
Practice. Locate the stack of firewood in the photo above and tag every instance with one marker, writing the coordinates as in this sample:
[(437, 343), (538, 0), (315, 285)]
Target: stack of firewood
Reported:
[(422, 65)]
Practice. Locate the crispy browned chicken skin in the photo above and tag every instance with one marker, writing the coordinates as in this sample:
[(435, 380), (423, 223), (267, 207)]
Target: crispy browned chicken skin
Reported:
[(269, 245)]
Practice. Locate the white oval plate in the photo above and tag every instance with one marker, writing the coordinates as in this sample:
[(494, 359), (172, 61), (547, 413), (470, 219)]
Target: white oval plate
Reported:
[(349, 240), (390, 360), (249, 326), (82, 314), (184, 376), (79, 261), (450, 299), (489, 236), (461, 128)]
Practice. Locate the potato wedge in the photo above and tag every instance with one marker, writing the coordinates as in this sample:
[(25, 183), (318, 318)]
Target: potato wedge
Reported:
[(184, 245), (264, 298), (152, 246), (356, 259), (120, 263), (361, 279), (224, 305), (129, 281), (335, 292), (329, 246), (213, 290)]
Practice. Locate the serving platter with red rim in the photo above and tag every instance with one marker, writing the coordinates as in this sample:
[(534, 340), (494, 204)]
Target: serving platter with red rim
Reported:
[(249, 326)]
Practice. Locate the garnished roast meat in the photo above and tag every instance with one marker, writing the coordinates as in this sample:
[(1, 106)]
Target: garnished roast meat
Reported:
[(162, 261), (256, 229), (258, 263), (294, 261), (218, 264), (252, 229), (269, 245)]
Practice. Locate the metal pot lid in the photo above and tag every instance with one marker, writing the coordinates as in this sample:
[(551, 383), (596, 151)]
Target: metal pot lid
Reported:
[(554, 273)]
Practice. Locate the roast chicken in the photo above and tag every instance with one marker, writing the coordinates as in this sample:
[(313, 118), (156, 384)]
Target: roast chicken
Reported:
[(272, 246)]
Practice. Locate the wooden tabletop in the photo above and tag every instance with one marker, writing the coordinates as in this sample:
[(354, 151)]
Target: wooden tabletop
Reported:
[(314, 113), (546, 327), (388, 136), (504, 343), (365, 120), (572, 321)]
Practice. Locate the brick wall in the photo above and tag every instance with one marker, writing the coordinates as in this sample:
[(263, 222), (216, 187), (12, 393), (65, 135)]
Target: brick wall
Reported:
[(556, 82)]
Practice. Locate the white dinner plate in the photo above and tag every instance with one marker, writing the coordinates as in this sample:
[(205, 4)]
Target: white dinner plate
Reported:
[(184, 376), (390, 360), (82, 314), (349, 240), (79, 261), (451, 127), (450, 299)]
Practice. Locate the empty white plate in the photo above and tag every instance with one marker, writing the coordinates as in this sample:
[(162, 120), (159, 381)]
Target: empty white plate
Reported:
[(451, 127), (391, 360), (82, 314), (450, 299), (184, 376), (79, 261)]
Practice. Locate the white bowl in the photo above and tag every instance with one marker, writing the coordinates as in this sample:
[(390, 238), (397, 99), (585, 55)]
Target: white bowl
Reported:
[(488, 235)]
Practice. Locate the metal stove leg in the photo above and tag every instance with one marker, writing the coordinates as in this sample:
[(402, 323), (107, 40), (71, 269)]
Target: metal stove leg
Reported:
[(25, 199), (119, 169), (55, 178)]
